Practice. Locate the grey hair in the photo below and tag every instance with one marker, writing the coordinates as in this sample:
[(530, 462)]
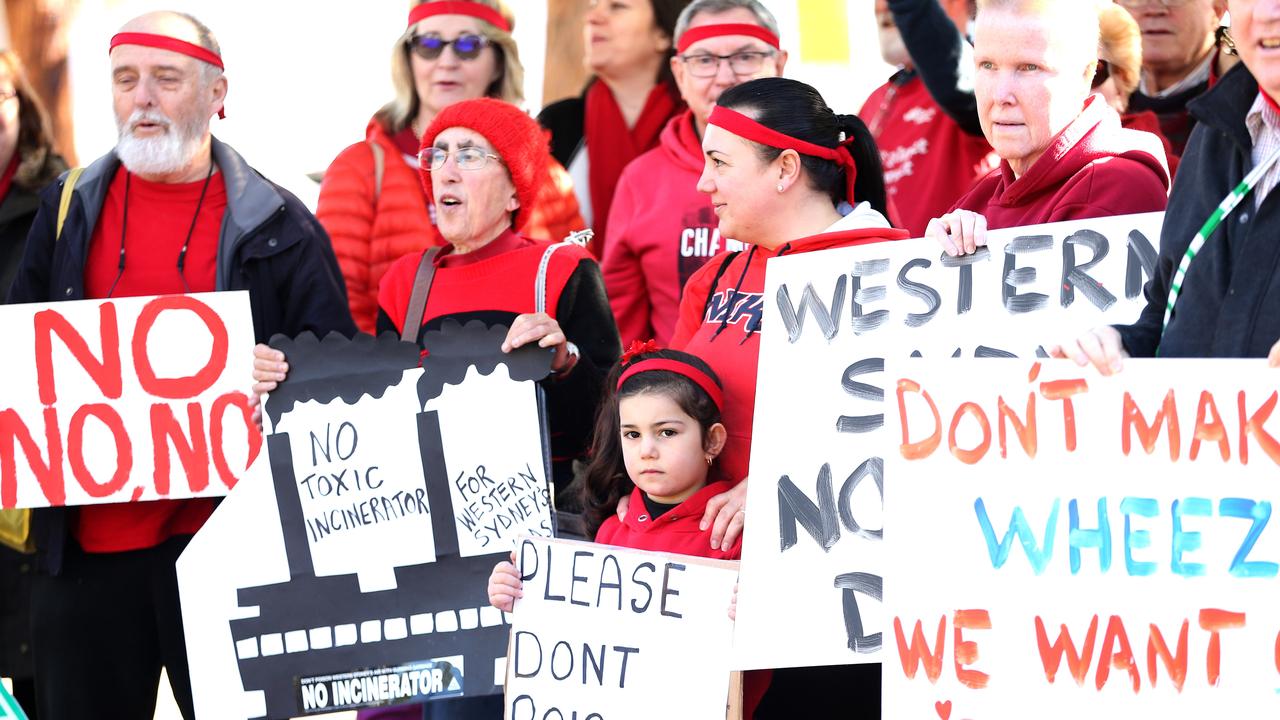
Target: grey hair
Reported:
[(205, 39), (763, 17)]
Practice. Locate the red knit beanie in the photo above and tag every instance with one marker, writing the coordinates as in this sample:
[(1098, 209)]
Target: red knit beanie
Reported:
[(516, 138)]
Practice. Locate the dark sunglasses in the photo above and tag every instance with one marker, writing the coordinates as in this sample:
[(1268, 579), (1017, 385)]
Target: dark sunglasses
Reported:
[(1102, 74), (429, 47)]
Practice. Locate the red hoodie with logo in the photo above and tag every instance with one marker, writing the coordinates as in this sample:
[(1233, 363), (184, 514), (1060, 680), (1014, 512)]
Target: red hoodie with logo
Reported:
[(1093, 168), (661, 230), (721, 311), (929, 161)]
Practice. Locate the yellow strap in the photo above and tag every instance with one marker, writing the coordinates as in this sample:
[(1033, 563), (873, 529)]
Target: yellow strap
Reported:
[(64, 204)]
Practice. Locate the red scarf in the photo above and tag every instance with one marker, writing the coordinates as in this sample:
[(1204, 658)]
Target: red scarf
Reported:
[(611, 145), (6, 181)]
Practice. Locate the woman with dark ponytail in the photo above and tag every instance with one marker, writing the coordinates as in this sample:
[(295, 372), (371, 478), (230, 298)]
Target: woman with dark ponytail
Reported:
[(785, 175)]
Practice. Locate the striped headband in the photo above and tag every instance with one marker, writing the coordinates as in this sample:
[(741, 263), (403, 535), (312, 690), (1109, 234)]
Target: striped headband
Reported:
[(164, 42), (744, 127), (459, 7), (702, 32)]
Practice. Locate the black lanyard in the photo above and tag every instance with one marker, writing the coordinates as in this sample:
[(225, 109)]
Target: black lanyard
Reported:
[(182, 254)]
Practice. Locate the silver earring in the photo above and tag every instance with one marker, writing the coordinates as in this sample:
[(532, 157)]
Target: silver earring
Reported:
[(779, 187)]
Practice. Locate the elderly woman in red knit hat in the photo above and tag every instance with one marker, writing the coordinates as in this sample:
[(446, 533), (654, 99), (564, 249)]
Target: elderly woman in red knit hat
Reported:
[(483, 161)]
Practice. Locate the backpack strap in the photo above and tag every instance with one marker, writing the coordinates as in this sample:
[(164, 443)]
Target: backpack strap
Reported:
[(579, 238), (379, 163), (418, 297), (715, 281), (64, 203)]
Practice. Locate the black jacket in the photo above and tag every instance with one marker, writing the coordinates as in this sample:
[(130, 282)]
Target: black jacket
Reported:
[(1229, 306), (270, 245), (17, 211)]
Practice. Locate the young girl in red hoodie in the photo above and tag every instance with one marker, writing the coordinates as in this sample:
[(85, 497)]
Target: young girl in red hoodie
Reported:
[(657, 439)]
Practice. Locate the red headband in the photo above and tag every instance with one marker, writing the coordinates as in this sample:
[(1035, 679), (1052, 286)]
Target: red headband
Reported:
[(744, 127), (164, 42), (699, 378), (702, 32), (459, 7)]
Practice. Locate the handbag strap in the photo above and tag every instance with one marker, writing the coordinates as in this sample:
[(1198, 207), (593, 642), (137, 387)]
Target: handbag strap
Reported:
[(418, 298)]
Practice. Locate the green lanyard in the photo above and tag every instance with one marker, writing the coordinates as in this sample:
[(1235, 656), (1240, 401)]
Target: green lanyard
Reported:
[(1225, 207)]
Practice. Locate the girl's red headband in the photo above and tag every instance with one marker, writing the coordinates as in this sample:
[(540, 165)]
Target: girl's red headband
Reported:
[(459, 7), (702, 32), (164, 42), (698, 377), (744, 127)]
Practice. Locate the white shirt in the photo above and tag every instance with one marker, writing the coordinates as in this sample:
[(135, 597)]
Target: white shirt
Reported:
[(1264, 128)]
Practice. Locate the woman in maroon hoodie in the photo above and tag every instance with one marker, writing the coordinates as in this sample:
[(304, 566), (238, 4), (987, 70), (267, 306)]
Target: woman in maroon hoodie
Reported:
[(785, 175), (1064, 155)]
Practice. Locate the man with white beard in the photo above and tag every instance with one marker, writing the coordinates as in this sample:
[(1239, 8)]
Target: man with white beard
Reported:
[(170, 210), (932, 152)]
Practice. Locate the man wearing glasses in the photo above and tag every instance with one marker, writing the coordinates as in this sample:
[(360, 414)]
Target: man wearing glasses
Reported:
[(169, 210), (661, 229), (1180, 59), (930, 140)]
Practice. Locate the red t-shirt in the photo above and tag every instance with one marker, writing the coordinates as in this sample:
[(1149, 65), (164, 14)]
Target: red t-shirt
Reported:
[(159, 219)]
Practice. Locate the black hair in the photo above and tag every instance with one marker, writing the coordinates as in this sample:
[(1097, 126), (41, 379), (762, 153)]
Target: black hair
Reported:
[(606, 479), (797, 110)]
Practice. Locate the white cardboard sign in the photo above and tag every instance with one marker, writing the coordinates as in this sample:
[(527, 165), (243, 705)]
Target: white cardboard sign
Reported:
[(604, 632), (125, 400), (1066, 545), (351, 571), (813, 560)]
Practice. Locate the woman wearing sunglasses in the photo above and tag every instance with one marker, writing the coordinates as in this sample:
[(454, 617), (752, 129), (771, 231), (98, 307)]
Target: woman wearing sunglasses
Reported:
[(371, 201), (631, 96)]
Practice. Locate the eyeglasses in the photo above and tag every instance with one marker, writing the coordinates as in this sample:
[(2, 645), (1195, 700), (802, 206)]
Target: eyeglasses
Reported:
[(1102, 74), (742, 63), (429, 47), (467, 158), (1143, 3)]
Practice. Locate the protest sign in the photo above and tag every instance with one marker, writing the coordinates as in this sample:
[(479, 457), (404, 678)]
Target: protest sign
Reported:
[(1065, 545), (813, 563), (356, 576), (124, 400), (603, 633)]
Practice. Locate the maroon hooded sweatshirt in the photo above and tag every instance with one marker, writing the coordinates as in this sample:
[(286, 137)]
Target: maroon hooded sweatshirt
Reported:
[(1093, 168)]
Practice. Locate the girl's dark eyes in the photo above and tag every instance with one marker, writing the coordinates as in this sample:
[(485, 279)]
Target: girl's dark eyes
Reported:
[(668, 432), (630, 434)]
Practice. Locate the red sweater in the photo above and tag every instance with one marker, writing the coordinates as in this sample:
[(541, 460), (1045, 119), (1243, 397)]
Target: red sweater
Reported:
[(1093, 168), (159, 219), (661, 230), (677, 532), (734, 352), (929, 161), (498, 277)]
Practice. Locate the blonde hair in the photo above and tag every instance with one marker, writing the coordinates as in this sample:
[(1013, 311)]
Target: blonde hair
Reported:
[(509, 87), (1120, 44)]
